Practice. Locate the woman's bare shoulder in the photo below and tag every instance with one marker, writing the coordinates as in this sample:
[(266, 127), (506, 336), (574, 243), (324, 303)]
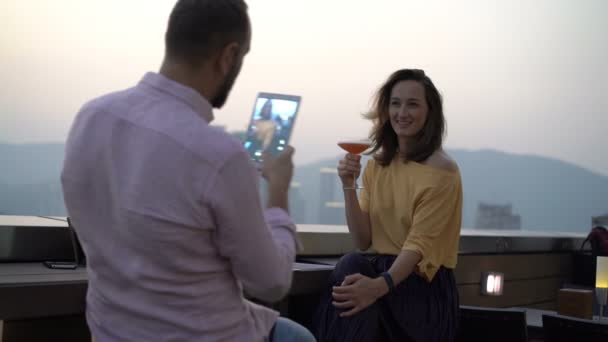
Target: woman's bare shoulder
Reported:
[(441, 160)]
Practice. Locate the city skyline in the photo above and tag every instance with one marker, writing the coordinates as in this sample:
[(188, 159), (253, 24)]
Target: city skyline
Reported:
[(545, 194)]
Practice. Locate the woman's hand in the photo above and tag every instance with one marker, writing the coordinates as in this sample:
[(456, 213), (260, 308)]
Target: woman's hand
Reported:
[(349, 169), (357, 292)]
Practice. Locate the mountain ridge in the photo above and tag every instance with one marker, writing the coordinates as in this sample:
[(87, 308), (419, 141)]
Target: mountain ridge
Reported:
[(548, 193)]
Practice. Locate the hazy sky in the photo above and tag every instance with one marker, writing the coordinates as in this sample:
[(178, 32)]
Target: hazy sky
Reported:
[(517, 75)]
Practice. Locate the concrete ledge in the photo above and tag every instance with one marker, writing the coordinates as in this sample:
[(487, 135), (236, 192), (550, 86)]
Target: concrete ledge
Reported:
[(324, 240)]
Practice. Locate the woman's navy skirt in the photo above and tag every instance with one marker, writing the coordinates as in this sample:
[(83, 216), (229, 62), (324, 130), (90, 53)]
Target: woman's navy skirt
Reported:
[(416, 311)]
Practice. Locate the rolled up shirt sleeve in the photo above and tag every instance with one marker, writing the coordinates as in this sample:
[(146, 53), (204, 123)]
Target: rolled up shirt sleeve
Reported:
[(260, 244)]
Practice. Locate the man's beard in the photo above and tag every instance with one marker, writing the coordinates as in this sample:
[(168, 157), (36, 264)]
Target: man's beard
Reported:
[(222, 94)]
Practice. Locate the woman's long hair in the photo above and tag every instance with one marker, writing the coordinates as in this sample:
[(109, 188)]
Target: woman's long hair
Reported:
[(384, 139)]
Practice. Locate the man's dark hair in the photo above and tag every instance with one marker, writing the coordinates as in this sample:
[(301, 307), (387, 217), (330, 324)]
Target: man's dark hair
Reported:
[(198, 28)]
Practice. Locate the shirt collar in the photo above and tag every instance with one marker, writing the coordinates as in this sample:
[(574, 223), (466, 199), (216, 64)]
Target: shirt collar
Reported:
[(184, 93)]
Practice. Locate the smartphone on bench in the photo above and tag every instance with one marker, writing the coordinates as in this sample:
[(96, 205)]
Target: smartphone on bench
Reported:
[(61, 265), (76, 250)]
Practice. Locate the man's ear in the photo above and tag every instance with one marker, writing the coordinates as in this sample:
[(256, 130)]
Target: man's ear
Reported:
[(228, 57)]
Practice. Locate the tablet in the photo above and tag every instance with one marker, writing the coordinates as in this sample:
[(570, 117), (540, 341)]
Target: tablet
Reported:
[(271, 124)]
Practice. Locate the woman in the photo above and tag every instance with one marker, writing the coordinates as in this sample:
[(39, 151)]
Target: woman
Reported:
[(408, 215), (265, 126)]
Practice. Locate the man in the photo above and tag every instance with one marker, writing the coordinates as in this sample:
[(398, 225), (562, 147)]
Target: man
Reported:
[(167, 207)]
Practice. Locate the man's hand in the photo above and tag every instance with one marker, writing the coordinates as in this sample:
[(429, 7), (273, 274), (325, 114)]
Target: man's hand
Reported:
[(278, 171)]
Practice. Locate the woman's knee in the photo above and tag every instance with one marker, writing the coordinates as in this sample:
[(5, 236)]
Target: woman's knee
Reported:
[(352, 263)]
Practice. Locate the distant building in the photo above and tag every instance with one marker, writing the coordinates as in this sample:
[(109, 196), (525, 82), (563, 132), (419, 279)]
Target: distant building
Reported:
[(331, 211), (490, 216), (297, 204), (328, 181)]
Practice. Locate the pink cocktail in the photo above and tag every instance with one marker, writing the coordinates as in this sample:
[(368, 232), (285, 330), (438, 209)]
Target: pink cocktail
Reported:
[(354, 147)]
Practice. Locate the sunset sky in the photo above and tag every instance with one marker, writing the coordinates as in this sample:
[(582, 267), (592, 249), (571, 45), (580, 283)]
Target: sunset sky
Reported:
[(520, 76)]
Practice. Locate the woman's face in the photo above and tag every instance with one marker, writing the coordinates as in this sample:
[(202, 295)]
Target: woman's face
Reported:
[(266, 112), (407, 108)]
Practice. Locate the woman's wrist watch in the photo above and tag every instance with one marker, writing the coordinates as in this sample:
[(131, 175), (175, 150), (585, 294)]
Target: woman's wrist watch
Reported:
[(389, 281)]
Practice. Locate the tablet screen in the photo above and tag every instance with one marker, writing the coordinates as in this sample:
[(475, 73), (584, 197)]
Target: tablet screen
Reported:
[(271, 124)]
